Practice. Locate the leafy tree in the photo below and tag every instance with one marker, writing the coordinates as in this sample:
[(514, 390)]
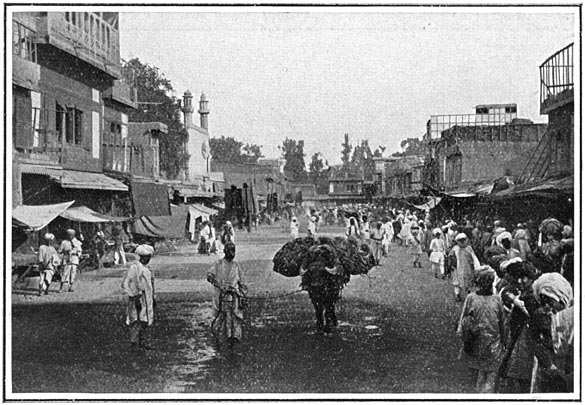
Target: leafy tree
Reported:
[(156, 104), (410, 147), (319, 173), (346, 153), (230, 150), (293, 153)]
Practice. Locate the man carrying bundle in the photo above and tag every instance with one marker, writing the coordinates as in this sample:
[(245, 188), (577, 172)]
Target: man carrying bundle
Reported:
[(323, 277)]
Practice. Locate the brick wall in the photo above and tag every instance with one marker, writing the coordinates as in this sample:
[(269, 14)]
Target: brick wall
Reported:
[(469, 155)]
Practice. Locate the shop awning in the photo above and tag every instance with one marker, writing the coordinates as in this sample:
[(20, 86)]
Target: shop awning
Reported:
[(219, 205), (430, 204), (150, 198), (54, 172), (36, 217), (84, 214), (75, 179), (90, 181), (205, 210)]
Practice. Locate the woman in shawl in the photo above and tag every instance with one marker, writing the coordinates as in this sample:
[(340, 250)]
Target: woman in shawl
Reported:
[(552, 335), (504, 240), (228, 297), (353, 228), (482, 329), (139, 286), (467, 262)]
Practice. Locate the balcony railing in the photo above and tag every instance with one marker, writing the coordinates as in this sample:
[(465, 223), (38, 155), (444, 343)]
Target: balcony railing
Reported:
[(556, 80)]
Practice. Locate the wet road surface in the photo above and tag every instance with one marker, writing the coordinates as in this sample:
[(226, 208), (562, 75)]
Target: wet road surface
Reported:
[(396, 332)]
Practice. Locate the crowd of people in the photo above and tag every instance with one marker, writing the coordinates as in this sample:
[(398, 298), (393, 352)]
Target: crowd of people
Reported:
[(515, 284)]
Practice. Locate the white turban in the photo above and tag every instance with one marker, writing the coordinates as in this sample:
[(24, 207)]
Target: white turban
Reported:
[(144, 250), (49, 236), (502, 236), (460, 236)]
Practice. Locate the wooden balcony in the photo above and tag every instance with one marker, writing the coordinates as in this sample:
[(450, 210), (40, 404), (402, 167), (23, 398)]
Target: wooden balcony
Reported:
[(25, 73), (88, 38), (122, 93)]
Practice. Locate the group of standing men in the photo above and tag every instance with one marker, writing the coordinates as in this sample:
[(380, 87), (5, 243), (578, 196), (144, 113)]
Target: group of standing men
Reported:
[(65, 260)]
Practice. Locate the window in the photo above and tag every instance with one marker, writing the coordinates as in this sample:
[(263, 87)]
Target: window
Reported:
[(67, 17), (74, 126), (23, 41), (78, 126), (482, 110), (59, 121), (86, 24), (115, 133), (510, 110)]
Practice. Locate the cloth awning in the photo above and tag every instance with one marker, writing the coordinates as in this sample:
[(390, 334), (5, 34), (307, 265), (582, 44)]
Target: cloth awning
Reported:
[(150, 198), (461, 195), (36, 217), (84, 214), (206, 210), (195, 213), (90, 181), (430, 204), (219, 205), (167, 226)]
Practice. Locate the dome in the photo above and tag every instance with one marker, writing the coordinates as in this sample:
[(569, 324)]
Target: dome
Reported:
[(188, 94)]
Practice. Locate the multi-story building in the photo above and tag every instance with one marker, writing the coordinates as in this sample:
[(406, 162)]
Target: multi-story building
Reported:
[(67, 101)]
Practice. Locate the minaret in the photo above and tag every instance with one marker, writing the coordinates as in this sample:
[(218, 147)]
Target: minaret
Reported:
[(203, 111), (187, 108)]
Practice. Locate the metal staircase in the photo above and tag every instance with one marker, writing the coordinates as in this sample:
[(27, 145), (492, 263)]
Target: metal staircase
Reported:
[(538, 165)]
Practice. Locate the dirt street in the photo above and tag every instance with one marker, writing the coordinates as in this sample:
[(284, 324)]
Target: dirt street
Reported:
[(396, 332)]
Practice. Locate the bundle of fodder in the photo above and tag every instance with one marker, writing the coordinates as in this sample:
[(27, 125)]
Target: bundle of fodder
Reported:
[(354, 255), (289, 259)]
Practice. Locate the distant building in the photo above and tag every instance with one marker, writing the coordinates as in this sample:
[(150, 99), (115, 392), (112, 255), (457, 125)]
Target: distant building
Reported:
[(485, 114), (197, 182), (403, 176), (266, 179), (554, 155), (380, 173), (466, 150), (344, 186)]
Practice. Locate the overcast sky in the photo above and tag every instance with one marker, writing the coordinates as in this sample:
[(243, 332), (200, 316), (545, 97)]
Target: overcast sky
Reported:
[(320, 74)]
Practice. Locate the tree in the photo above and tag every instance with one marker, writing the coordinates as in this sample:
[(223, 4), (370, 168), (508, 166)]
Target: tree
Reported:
[(156, 104), (230, 150), (410, 147), (293, 153), (346, 153), (318, 173)]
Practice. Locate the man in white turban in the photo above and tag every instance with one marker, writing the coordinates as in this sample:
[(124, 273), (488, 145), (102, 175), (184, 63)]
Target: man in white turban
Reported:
[(71, 250), (48, 260), (139, 286)]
